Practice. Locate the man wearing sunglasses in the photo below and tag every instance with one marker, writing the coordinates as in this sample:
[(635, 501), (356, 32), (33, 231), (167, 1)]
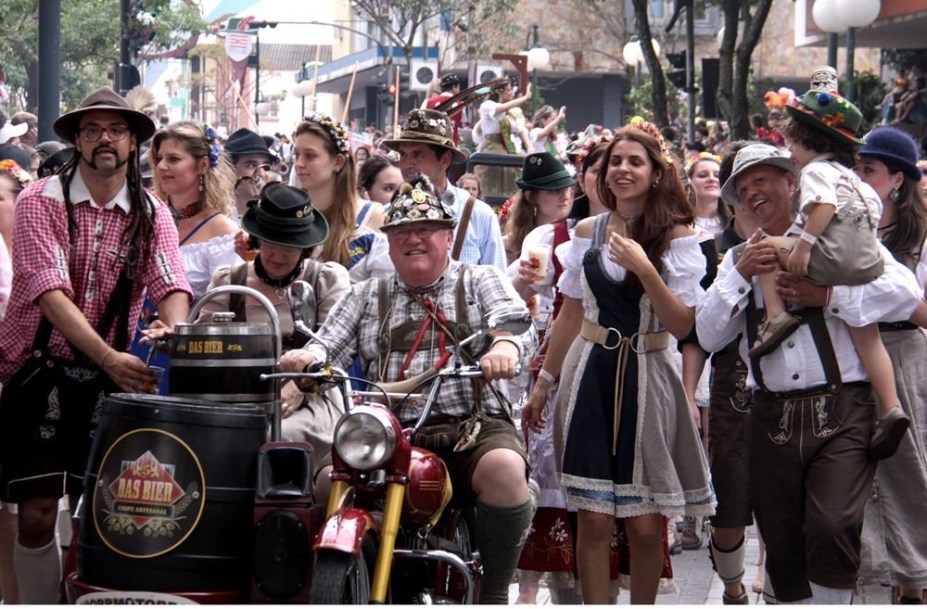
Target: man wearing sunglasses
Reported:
[(89, 244), (252, 159)]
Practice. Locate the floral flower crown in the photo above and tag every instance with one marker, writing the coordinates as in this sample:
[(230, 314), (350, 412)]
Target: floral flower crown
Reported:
[(334, 128), (653, 131), (695, 157), (212, 138), (16, 172), (589, 145)]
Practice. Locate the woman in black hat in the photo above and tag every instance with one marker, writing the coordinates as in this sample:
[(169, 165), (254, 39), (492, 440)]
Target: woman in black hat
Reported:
[(891, 528), (283, 228), (545, 196)]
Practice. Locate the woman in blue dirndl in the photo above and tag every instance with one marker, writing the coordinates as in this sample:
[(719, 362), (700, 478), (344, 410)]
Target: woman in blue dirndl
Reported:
[(628, 444)]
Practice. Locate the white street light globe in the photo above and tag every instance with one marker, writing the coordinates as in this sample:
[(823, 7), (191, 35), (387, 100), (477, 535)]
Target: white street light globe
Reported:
[(538, 58), (303, 88), (826, 17), (262, 108), (858, 13), (632, 53)]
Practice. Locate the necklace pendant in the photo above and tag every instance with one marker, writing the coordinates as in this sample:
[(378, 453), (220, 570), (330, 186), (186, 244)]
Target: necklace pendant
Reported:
[(280, 292)]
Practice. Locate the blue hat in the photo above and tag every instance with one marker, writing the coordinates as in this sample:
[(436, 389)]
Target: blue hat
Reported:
[(895, 148)]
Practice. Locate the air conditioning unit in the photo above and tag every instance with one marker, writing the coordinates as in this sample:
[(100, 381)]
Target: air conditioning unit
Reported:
[(421, 73), (487, 72)]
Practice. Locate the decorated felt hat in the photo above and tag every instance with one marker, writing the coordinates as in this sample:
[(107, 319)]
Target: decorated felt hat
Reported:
[(426, 126), (828, 111), (751, 156), (284, 215), (245, 141), (449, 80), (895, 148), (416, 202), (67, 125), (544, 171)]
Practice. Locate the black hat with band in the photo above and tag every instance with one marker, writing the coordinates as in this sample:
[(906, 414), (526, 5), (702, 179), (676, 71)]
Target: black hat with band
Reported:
[(283, 215)]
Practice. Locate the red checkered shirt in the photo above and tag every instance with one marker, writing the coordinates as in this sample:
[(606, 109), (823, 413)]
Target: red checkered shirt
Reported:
[(42, 252)]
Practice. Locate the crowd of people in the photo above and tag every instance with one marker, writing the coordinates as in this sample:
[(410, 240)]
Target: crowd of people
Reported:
[(724, 333)]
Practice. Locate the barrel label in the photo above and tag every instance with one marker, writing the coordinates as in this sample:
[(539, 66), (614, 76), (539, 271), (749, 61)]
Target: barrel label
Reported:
[(149, 495)]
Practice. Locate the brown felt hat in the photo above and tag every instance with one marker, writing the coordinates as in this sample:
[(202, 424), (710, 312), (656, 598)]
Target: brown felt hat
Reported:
[(426, 126), (104, 98)]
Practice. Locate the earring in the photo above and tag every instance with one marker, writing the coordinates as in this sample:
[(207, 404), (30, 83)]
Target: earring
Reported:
[(893, 195), (202, 182), (654, 185)]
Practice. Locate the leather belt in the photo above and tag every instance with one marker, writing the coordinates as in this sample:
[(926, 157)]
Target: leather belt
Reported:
[(611, 338), (896, 326)]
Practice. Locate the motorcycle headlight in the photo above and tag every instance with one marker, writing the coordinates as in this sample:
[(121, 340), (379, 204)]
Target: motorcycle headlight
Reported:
[(365, 438)]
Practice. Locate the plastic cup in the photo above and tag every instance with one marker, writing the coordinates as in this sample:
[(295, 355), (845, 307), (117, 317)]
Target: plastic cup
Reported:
[(539, 255), (159, 376)]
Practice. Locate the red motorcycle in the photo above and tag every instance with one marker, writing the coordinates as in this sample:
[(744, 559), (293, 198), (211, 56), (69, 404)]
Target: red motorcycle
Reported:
[(388, 535)]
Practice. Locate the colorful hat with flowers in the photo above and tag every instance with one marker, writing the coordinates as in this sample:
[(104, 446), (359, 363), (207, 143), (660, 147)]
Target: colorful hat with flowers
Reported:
[(12, 169), (415, 202), (829, 112)]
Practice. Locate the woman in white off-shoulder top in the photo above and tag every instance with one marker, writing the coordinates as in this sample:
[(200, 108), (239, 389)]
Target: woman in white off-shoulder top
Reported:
[(629, 446)]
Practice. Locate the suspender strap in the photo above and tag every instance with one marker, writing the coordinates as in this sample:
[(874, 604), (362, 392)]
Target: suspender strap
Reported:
[(238, 276), (598, 231), (462, 228)]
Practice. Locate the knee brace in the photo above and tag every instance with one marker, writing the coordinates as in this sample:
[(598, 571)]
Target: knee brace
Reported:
[(728, 564)]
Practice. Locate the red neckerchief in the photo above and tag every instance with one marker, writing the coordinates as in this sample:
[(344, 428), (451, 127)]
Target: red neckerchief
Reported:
[(433, 313)]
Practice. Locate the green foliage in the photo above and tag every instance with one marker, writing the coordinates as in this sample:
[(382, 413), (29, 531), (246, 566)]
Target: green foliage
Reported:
[(870, 90), (640, 100), (90, 35), (905, 59)]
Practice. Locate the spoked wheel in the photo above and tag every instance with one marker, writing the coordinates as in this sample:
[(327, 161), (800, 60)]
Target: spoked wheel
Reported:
[(340, 579)]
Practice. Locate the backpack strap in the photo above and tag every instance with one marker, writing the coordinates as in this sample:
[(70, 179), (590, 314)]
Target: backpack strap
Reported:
[(462, 228)]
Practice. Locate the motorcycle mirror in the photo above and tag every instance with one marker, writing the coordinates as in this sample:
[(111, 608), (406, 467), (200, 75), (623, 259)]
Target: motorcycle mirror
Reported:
[(301, 298)]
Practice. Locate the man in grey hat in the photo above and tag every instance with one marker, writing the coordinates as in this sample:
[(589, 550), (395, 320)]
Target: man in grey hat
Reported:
[(811, 419), (89, 244)]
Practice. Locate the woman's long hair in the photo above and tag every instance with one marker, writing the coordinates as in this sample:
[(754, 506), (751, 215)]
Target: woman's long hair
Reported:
[(667, 205), (521, 220), (906, 239), (580, 208), (723, 211), (341, 214), (218, 181)]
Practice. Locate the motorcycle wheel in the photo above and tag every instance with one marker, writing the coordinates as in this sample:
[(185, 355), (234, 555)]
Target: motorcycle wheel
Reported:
[(340, 579)]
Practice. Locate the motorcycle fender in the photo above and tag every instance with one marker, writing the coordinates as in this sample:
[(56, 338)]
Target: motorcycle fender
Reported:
[(345, 530)]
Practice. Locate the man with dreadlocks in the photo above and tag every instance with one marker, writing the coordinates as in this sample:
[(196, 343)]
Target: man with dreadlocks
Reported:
[(89, 243)]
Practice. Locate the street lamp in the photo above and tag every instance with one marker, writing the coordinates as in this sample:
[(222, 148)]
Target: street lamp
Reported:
[(633, 55), (538, 59), (837, 16)]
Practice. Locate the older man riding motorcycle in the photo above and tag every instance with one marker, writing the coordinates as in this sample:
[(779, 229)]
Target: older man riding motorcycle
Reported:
[(405, 324)]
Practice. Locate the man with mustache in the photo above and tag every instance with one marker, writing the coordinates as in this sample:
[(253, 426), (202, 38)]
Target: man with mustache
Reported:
[(89, 243), (811, 417)]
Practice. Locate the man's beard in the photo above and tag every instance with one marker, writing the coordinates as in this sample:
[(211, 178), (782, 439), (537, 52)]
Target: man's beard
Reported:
[(103, 148)]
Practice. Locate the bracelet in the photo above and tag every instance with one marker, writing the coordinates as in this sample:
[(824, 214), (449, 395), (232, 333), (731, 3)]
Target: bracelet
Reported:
[(507, 339), (547, 376), (105, 357), (808, 238)]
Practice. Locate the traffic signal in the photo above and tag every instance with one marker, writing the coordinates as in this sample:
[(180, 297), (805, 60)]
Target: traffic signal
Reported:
[(677, 75), (387, 93), (391, 90)]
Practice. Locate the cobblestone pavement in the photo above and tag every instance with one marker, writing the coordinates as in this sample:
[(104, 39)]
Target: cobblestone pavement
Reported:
[(698, 584)]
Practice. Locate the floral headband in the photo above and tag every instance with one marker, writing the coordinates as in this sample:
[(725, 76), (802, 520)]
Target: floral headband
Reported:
[(212, 138), (589, 145), (653, 131), (335, 130), (16, 172), (696, 157)]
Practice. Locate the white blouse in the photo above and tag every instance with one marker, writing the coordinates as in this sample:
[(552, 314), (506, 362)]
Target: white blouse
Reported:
[(6, 278), (683, 267), (200, 260)]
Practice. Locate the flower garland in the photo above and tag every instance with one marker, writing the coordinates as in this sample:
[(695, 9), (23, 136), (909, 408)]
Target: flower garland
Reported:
[(335, 130), (212, 139), (16, 172), (695, 157)]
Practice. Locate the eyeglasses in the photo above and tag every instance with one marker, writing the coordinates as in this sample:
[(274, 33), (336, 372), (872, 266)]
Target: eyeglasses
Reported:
[(422, 232), (92, 133)]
